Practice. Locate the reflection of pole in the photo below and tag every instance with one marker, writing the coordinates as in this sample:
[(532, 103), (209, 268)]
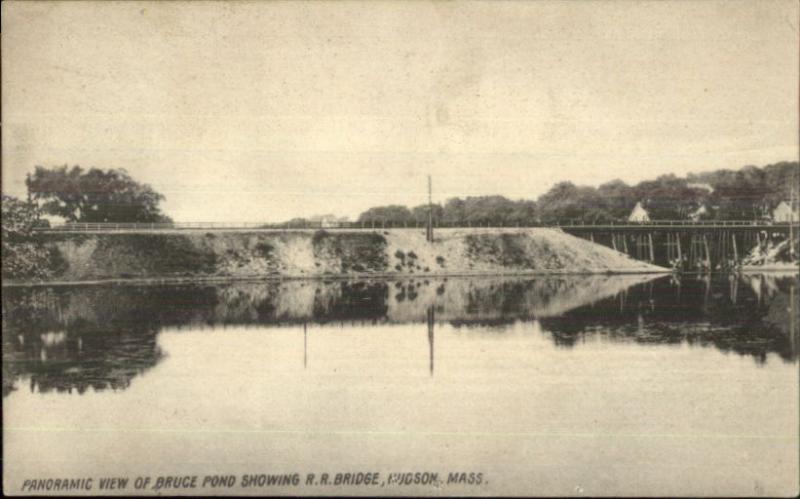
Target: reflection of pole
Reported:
[(793, 326), (430, 337), (429, 235)]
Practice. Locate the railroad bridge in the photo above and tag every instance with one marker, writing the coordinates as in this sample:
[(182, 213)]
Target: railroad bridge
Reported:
[(708, 244), (703, 244)]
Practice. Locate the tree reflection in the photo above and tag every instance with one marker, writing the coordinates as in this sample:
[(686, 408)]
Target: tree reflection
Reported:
[(748, 314), (70, 346), (101, 337)]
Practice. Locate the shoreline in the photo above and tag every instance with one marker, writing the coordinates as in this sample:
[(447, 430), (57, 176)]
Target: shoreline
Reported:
[(377, 276), (323, 277)]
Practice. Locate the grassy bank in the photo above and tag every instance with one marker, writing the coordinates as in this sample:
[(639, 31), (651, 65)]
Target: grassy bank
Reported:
[(298, 254)]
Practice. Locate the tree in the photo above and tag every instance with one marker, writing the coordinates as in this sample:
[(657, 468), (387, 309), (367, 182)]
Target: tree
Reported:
[(420, 213), (566, 202), (94, 196), (22, 254), (617, 199), (453, 210), (669, 197), (389, 214), (496, 210)]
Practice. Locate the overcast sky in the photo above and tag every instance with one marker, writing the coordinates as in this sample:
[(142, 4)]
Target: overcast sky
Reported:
[(265, 111)]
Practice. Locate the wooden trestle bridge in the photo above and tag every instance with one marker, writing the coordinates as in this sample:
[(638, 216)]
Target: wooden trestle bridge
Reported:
[(713, 244)]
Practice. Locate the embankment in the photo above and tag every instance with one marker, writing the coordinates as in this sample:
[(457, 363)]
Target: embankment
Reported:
[(260, 254)]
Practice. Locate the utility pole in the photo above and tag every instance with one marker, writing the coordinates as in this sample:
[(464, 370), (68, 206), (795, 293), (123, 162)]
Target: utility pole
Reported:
[(429, 232), (792, 198), (30, 197)]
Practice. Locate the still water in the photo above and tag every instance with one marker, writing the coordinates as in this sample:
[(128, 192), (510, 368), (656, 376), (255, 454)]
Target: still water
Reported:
[(621, 385)]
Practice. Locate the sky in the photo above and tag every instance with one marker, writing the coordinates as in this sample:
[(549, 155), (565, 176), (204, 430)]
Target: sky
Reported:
[(264, 111)]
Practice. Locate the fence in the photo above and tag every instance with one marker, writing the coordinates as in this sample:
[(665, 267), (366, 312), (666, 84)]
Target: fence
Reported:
[(389, 224)]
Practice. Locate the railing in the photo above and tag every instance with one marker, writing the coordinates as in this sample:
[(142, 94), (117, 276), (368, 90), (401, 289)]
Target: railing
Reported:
[(299, 225)]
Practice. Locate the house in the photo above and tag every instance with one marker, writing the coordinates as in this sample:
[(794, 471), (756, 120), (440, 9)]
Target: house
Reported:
[(639, 214), (784, 213), (701, 186), (697, 214), (328, 221)]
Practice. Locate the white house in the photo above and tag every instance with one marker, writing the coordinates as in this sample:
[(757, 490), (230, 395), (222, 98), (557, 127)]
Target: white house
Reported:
[(328, 221), (701, 186), (639, 214), (698, 213), (784, 213)]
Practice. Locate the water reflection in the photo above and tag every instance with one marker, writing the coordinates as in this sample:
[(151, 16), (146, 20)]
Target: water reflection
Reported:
[(747, 314), (75, 338)]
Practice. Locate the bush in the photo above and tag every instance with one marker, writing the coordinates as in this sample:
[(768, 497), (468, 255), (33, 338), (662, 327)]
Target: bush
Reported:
[(24, 255), (264, 249)]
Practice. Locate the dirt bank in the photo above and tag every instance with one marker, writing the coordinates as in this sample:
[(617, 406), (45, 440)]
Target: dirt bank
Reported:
[(261, 254)]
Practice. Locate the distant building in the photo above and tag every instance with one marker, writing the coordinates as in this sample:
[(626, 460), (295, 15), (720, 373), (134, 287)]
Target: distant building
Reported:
[(697, 214), (784, 213), (328, 221), (639, 214), (702, 186)]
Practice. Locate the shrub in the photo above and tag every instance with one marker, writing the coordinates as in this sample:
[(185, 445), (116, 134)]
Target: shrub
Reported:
[(23, 253), (264, 249)]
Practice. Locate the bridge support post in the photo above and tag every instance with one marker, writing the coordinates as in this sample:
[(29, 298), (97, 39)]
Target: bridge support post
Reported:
[(652, 250)]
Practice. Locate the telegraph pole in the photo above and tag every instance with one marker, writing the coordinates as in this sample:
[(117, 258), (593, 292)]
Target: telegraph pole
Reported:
[(30, 197), (792, 197)]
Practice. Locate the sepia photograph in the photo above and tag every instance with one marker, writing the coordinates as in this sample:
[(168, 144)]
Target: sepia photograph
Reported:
[(543, 248)]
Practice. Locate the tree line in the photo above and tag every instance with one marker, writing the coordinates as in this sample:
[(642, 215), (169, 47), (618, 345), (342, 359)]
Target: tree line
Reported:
[(97, 195), (746, 194)]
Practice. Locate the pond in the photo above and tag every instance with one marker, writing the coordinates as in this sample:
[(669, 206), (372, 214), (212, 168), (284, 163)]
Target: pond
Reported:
[(576, 385)]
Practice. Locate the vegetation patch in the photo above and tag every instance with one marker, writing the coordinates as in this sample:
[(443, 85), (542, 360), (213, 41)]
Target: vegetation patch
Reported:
[(356, 252), (264, 249), (149, 255), (508, 250)]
